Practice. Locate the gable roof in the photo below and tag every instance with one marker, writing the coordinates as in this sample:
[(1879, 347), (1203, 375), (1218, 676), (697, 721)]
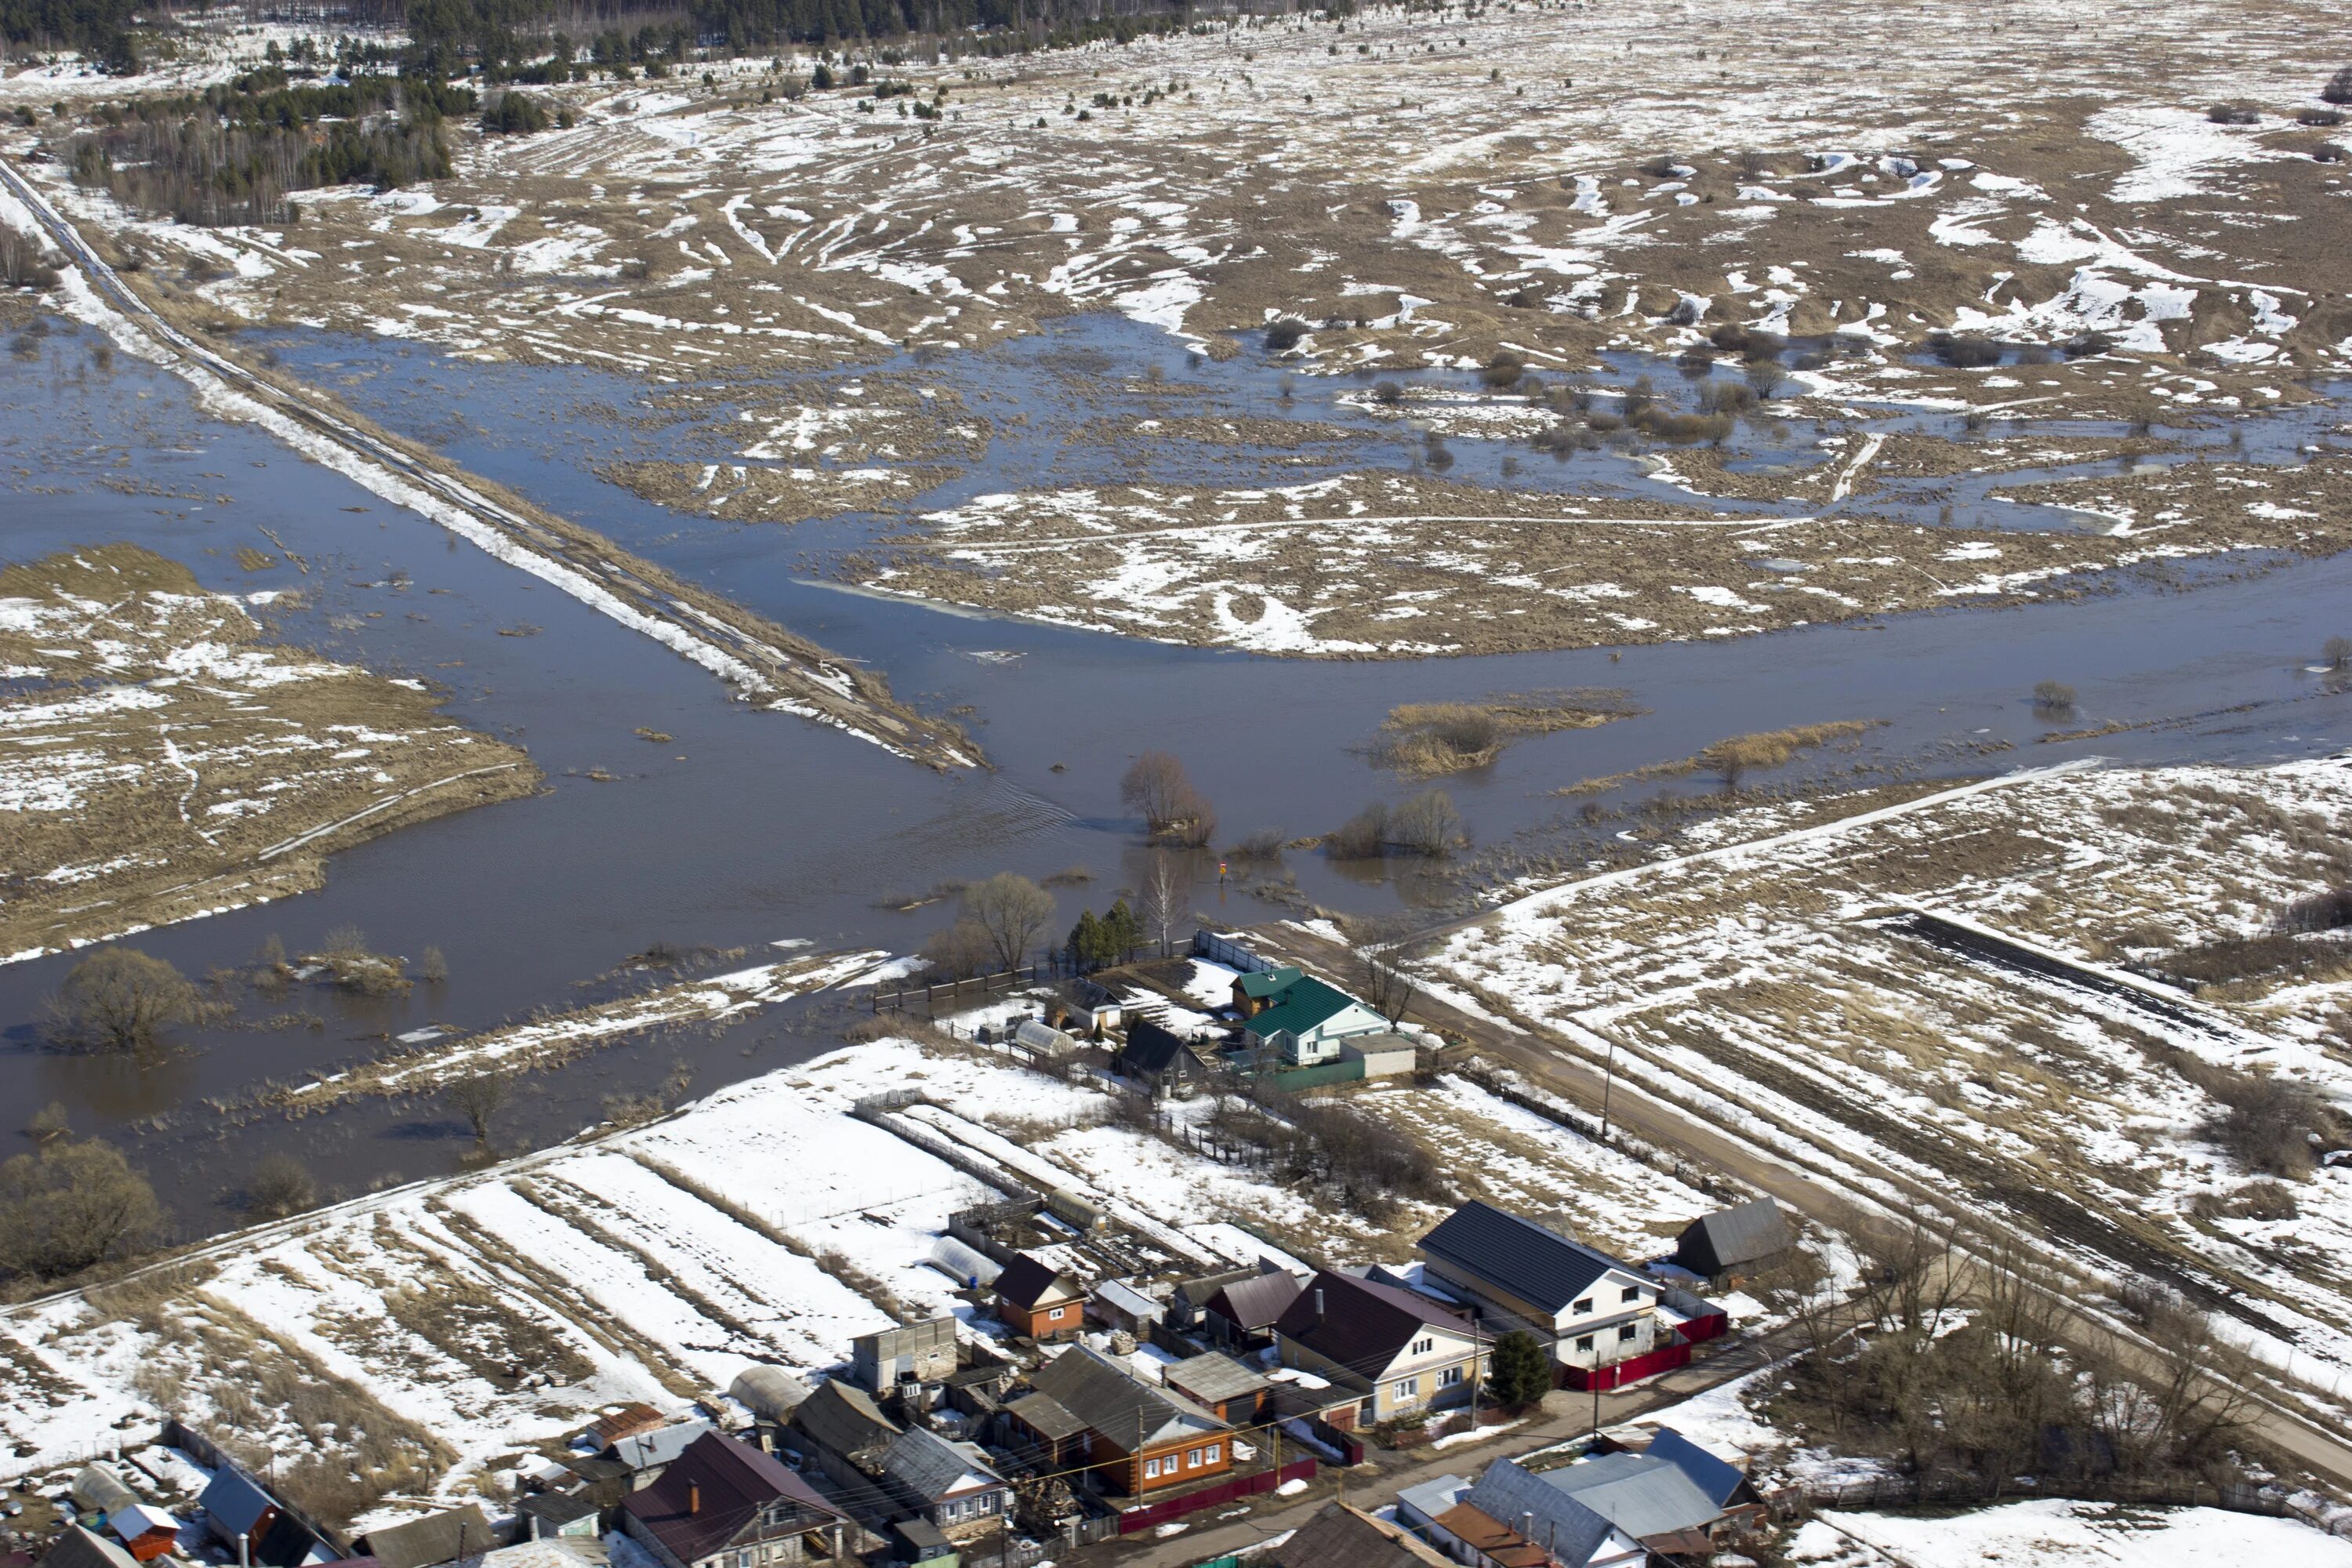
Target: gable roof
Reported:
[(141, 1519), (1029, 1284), (1151, 1048), (661, 1444), (1043, 1414), (932, 1468), (1259, 984), (731, 1483), (844, 1419), (1641, 1495), (1715, 1476), (1362, 1325), (79, 1547), (1256, 1303), (1494, 1541), (1213, 1379), (1518, 1257), (637, 1416), (1345, 1537), (434, 1537), (1116, 1404), (234, 1502), (1306, 1003), (1729, 1237), (1521, 1502), (1126, 1298)]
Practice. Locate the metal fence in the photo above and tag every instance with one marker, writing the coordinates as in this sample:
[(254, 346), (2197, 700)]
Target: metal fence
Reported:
[(1151, 1515)]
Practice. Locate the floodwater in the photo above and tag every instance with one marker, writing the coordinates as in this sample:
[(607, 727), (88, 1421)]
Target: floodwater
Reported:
[(749, 827)]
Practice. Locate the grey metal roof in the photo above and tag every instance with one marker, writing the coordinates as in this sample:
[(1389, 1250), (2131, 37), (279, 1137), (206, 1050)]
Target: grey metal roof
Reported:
[(1433, 1498), (234, 1502), (436, 1538), (1538, 1266), (1641, 1495), (1046, 1416), (1114, 1402), (844, 1419), (79, 1547), (1522, 1500), (1213, 1379), (1729, 1237), (932, 1468), (1718, 1480), (1129, 1300), (660, 1445)]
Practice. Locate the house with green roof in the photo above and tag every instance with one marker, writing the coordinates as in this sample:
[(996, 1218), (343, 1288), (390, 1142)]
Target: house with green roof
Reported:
[(1305, 1021)]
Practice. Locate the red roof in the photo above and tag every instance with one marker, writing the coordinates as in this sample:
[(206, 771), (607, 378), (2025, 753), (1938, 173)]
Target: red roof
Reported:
[(715, 1492)]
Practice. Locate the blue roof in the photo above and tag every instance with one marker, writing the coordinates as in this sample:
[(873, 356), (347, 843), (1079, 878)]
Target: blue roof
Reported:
[(235, 1501), (1718, 1480)]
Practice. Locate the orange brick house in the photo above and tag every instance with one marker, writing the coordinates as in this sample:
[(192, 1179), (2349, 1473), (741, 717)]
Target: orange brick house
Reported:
[(1041, 1302)]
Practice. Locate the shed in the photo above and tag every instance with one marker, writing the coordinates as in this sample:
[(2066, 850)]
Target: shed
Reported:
[(435, 1538), (1122, 1306), (1719, 1243), (238, 1509), (769, 1392), (967, 1266), (648, 1454), (1236, 1392), (545, 1514), (79, 1547), (146, 1530), (1387, 1054), (625, 1421), (925, 1352), (919, 1540)]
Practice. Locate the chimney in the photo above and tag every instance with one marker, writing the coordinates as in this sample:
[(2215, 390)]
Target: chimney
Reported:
[(694, 1496)]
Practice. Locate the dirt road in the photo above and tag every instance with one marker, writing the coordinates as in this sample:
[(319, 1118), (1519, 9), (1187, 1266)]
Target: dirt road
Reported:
[(1672, 1129), (764, 662)]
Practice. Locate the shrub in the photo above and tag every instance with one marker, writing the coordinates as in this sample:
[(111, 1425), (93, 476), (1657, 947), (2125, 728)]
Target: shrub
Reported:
[(1363, 836), (2054, 698), (2337, 653), (1504, 371), (119, 999), (1388, 392), (1282, 334), (2233, 114), (21, 263), (1427, 824), (2339, 87), (2086, 345), (2320, 119), (72, 1206), (1266, 844), (2330, 910), (280, 1186), (2266, 1123), (959, 952), (1967, 351)]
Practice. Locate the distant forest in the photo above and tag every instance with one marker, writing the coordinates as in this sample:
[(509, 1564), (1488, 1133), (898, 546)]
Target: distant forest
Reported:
[(502, 27)]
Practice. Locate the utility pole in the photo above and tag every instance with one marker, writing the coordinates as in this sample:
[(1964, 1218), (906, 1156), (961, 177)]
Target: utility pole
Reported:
[(1607, 1083)]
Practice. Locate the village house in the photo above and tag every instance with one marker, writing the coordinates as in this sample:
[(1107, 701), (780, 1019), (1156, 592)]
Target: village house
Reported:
[(1043, 1303), (723, 1505), (1304, 1022), (949, 1485), (1234, 1394), (81, 1548), (145, 1530), (1676, 1500), (1132, 1437), (1255, 992), (239, 1513), (1342, 1536), (1417, 1355), (1120, 1305), (622, 1421), (843, 1430), (1162, 1061), (1241, 1314), (1716, 1245), (1189, 1297), (1598, 1317)]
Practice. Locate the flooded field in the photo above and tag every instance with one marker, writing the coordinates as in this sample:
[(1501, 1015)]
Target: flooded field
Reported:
[(741, 828)]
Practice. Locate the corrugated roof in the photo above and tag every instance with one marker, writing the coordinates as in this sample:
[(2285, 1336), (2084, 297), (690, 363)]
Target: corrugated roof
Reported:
[(1517, 1256), (1489, 1539), (1729, 1237), (1264, 982), (933, 1468), (1640, 1495), (768, 1391), (1362, 1326), (79, 1547), (1127, 1298), (234, 1502), (1112, 1401), (1046, 1416), (660, 1445), (436, 1538), (1719, 1479), (844, 1419), (1345, 1537), (1256, 1303), (1213, 1379), (1028, 1284), (1306, 1003), (1430, 1498), (141, 1519), (1150, 1048), (1521, 1502)]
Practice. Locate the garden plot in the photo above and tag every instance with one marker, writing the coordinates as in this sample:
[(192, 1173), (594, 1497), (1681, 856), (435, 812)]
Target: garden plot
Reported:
[(159, 760), (1784, 990)]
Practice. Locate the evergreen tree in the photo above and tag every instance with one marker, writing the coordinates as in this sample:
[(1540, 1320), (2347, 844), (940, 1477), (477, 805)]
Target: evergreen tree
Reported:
[(1086, 940), (1517, 1373), (1122, 933)]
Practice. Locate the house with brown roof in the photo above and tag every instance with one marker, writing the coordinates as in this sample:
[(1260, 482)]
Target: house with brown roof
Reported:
[(1042, 1302), (1091, 1411), (449, 1536), (624, 1421), (724, 1505), (1234, 1394), (1242, 1314), (843, 1430), (1419, 1355)]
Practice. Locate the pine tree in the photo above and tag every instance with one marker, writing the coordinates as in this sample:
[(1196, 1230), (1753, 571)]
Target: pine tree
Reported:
[(1122, 932), (1517, 1373), (1085, 940)]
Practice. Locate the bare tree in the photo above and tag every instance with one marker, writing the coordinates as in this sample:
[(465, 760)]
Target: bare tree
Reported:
[(959, 950), (1013, 910), (2054, 698), (1157, 789), (480, 1099), (119, 999), (1386, 988), (1159, 903), (279, 1185), (71, 1206), (1427, 824)]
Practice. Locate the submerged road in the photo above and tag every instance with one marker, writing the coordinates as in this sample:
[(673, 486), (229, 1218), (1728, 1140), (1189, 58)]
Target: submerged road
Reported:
[(764, 662)]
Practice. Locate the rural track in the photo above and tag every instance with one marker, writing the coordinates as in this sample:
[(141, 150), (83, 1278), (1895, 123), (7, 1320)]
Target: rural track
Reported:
[(764, 662), (1645, 1114)]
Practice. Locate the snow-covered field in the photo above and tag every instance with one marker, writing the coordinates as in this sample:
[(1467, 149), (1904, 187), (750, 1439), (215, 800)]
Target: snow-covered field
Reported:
[(764, 1225), (1779, 988), (2042, 1533)]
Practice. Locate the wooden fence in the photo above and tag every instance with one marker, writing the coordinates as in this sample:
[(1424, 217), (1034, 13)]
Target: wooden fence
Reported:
[(1939, 1487)]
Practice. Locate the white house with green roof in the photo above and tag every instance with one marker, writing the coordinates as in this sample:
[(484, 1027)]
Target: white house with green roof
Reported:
[(1306, 1022)]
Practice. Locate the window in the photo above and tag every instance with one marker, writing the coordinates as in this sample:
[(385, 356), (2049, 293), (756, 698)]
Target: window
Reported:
[(1406, 1388), (1213, 1452), (1584, 1343), (1628, 1332), (1585, 1305), (1191, 1458), (1424, 1346), (1055, 1315), (1151, 1469), (1632, 1292), (1451, 1377)]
